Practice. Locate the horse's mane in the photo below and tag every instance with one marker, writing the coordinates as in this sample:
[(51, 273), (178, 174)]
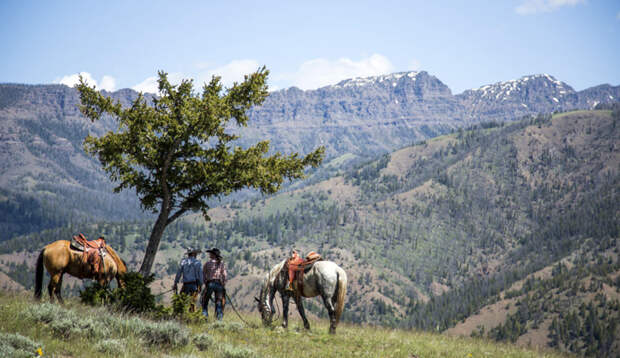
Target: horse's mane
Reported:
[(120, 263), (270, 277)]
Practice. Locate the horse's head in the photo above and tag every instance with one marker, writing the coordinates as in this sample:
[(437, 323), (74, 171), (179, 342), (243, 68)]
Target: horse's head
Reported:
[(266, 313), (265, 310)]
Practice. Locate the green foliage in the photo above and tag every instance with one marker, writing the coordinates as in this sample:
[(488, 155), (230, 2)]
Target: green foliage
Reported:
[(203, 341), (226, 326), (64, 323), (181, 304), (180, 310), (96, 295), (18, 346), (46, 313), (168, 333), (176, 153), (67, 324), (133, 333), (113, 347), (229, 351), (136, 296), (178, 146)]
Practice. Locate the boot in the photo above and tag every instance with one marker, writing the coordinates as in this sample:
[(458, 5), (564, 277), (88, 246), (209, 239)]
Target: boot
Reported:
[(289, 287)]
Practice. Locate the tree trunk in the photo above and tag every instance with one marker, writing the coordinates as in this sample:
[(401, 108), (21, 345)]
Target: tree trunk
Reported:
[(153, 245)]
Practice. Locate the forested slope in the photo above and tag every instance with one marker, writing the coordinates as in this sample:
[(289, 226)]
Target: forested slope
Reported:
[(433, 233)]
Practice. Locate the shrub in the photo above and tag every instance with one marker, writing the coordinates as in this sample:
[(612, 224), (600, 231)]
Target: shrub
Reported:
[(203, 341), (62, 328), (166, 333), (111, 346), (226, 326), (8, 351), (157, 333), (16, 345), (181, 304), (47, 312), (229, 351), (96, 295), (136, 296), (66, 323), (85, 327)]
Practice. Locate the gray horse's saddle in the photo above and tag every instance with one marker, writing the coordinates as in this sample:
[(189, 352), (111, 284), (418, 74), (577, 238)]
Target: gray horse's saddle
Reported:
[(301, 269)]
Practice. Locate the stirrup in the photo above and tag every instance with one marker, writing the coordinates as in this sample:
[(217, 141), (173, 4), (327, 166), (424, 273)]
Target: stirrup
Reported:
[(289, 288)]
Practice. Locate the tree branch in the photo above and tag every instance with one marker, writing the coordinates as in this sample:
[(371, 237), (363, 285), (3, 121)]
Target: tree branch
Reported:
[(176, 215)]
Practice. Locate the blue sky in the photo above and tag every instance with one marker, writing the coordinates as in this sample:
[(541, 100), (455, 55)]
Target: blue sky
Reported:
[(466, 44)]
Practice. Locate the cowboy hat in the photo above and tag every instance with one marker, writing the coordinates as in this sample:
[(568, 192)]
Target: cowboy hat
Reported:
[(216, 252), (191, 250)]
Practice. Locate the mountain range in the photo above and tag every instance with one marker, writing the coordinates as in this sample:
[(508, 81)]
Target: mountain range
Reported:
[(43, 166), (367, 116), (507, 230), (501, 220)]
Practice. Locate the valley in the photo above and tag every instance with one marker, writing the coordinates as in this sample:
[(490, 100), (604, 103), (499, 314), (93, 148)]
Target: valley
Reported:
[(507, 230)]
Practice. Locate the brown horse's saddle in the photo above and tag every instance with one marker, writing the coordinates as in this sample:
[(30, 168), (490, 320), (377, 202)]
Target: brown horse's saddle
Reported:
[(93, 251), (303, 268)]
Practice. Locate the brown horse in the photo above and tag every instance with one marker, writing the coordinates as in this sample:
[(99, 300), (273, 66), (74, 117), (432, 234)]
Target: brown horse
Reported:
[(58, 258)]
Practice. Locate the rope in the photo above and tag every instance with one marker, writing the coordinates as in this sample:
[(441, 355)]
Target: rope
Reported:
[(237, 312), (161, 293)]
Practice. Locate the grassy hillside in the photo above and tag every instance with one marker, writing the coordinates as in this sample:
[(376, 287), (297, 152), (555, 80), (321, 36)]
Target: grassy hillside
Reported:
[(76, 330), (429, 235)]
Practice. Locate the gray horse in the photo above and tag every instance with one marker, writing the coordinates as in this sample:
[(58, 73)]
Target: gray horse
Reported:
[(325, 278)]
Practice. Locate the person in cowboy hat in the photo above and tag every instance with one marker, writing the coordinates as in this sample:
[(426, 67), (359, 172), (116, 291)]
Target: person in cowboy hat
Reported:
[(214, 273), (192, 276)]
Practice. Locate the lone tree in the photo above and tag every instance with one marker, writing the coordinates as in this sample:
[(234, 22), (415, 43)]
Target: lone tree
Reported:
[(176, 151)]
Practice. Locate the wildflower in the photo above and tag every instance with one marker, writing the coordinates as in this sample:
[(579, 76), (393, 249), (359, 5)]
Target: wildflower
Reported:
[(40, 352)]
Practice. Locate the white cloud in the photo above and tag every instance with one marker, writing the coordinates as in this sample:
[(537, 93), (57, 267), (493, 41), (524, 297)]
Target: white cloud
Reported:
[(108, 83), (529, 7), (322, 72), (72, 80), (309, 75), (149, 85), (231, 72)]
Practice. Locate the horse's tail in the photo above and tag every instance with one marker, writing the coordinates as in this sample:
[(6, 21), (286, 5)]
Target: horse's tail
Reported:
[(38, 278), (341, 292)]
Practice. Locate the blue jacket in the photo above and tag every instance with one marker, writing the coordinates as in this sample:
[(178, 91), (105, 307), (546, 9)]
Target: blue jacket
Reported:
[(191, 270)]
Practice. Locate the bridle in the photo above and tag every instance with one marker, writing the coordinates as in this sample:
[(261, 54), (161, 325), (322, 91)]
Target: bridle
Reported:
[(264, 304)]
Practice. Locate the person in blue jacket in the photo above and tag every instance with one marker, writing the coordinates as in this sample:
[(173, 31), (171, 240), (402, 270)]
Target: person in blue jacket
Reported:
[(191, 271)]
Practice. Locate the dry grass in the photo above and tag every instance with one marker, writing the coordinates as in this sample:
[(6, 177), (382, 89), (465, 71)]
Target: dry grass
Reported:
[(231, 338)]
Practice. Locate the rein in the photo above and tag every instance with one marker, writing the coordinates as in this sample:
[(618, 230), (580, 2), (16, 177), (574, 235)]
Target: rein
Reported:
[(162, 293), (237, 312)]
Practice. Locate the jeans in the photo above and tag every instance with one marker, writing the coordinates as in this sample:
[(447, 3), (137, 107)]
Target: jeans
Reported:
[(191, 289), (217, 288)]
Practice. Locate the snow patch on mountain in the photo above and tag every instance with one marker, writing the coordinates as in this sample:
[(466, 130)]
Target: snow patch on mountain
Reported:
[(392, 78), (502, 91)]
